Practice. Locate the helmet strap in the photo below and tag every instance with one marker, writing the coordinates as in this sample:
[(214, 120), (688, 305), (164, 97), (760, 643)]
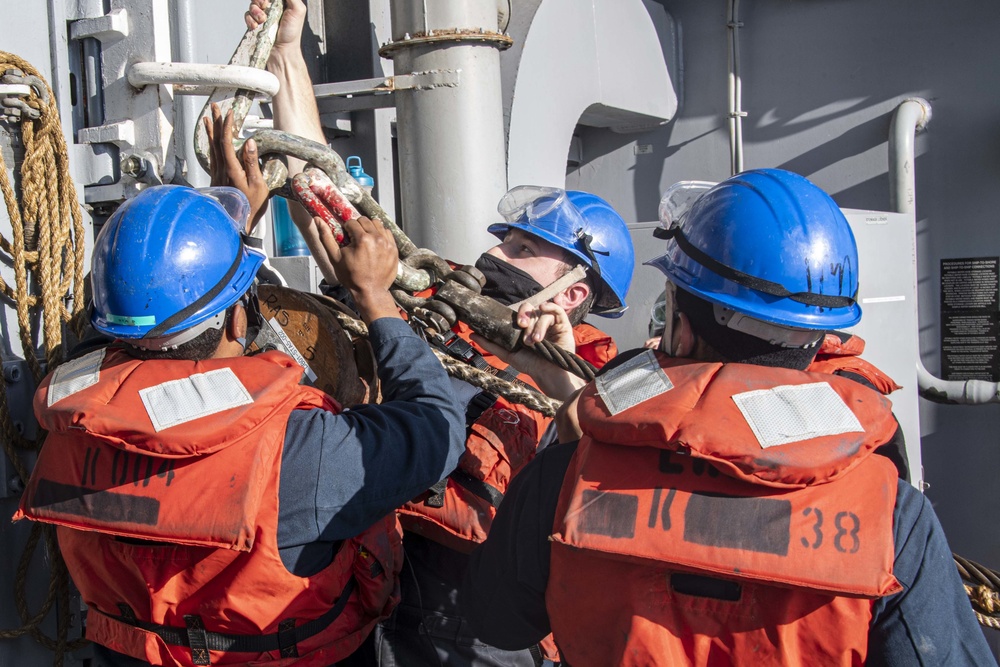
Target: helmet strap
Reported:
[(162, 343), (775, 334), (178, 317), (748, 281), (585, 241), (578, 273), (255, 320), (669, 319)]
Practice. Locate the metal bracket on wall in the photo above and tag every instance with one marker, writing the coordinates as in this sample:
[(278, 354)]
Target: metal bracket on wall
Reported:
[(20, 388), (130, 143), (378, 93)]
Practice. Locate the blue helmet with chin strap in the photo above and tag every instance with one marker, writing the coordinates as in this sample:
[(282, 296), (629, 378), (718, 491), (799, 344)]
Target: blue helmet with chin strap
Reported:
[(766, 244), (169, 263), (582, 224)]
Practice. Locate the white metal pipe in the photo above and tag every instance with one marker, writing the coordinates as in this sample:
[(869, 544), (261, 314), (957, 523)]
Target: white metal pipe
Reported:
[(910, 117), (201, 75), (736, 113), (969, 392)]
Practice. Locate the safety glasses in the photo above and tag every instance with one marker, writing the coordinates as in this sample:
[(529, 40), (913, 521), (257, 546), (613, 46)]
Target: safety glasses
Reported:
[(678, 200), (542, 207), (234, 202)]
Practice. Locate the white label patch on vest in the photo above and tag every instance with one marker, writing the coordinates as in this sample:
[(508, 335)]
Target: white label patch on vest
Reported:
[(793, 413), (76, 375), (190, 398), (638, 379)]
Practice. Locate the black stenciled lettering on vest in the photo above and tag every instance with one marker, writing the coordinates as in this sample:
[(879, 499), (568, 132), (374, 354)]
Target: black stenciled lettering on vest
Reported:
[(668, 463), (761, 525), (107, 506), (136, 470), (843, 531), (608, 513), (656, 513), (653, 511), (116, 479), (166, 470), (701, 466), (817, 527), (142, 469), (149, 471)]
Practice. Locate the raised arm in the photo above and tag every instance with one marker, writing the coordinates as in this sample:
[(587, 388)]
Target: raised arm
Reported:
[(294, 106)]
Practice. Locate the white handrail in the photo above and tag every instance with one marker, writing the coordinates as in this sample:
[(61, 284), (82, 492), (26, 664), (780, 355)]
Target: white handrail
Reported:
[(194, 78)]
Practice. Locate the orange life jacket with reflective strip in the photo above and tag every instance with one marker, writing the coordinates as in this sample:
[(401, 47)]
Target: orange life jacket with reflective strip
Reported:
[(836, 354), (755, 481), (162, 477), (501, 441)]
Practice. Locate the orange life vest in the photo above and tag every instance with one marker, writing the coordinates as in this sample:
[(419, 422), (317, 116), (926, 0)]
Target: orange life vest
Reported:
[(162, 477), (759, 479), (501, 441), (836, 354)]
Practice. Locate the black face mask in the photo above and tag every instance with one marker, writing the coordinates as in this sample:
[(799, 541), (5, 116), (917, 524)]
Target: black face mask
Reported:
[(504, 282), (255, 319)]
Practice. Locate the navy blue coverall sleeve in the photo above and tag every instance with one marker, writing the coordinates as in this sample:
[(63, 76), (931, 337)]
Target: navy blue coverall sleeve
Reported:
[(341, 473)]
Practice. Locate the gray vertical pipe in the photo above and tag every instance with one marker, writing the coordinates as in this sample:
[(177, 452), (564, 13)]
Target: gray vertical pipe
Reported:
[(187, 107), (452, 159)]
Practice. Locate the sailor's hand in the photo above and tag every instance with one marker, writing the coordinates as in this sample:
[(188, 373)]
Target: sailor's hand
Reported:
[(228, 169), (546, 321), (366, 266), (293, 19)]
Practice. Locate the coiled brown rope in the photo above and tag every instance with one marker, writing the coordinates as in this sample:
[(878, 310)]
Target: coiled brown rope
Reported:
[(982, 585), (526, 396), (46, 252)]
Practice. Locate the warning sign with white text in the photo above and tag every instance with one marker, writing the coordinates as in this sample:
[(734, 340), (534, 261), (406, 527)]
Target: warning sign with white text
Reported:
[(970, 318)]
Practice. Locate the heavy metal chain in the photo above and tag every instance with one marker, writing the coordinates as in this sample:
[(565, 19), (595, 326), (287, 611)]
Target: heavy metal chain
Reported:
[(488, 382)]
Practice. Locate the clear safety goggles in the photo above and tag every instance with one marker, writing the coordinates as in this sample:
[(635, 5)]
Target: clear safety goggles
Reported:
[(546, 208), (549, 210), (234, 202), (678, 200), (658, 315)]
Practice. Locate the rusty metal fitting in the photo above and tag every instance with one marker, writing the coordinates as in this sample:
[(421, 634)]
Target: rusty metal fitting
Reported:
[(481, 35), (438, 322), (134, 165), (487, 317)]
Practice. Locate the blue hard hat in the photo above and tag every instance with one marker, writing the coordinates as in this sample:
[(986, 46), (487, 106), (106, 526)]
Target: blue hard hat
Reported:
[(584, 225), (170, 259), (768, 244)]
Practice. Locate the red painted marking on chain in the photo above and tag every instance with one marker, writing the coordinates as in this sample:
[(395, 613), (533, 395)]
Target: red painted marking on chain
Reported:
[(313, 204), (324, 188)]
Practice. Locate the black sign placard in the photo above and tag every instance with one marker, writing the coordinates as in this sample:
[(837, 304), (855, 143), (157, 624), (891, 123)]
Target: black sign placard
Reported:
[(970, 318)]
